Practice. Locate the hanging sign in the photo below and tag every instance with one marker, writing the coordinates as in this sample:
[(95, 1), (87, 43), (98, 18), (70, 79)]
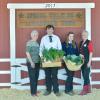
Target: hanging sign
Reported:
[(58, 18)]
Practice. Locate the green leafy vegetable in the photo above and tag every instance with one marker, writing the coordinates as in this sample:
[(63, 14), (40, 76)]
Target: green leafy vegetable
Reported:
[(52, 54), (74, 59)]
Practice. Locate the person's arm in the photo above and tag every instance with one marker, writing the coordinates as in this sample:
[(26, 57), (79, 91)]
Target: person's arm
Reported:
[(90, 59), (41, 47), (30, 59), (80, 54), (77, 50), (90, 47), (28, 54), (59, 44), (64, 48)]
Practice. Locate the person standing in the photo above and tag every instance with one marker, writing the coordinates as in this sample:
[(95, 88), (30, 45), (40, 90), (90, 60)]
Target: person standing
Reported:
[(33, 61), (70, 48), (86, 51), (50, 41)]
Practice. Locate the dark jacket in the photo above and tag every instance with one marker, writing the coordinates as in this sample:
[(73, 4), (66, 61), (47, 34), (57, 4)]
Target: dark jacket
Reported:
[(69, 49), (83, 49)]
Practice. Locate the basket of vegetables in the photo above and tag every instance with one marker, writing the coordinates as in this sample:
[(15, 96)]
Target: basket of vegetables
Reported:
[(73, 62), (52, 58)]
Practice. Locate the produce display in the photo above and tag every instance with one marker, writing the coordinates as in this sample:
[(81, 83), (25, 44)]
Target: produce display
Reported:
[(73, 62), (52, 57)]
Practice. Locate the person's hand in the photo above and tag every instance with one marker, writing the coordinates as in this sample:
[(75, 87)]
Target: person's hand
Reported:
[(82, 56), (32, 65), (43, 59), (88, 64)]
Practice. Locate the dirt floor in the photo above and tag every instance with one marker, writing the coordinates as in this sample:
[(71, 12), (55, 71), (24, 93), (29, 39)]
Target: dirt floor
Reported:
[(12, 94)]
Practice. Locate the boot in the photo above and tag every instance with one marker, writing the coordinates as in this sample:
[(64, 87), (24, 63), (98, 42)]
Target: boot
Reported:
[(89, 89), (85, 90)]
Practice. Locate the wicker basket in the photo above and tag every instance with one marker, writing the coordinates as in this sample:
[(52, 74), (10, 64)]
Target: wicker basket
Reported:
[(51, 64), (72, 66)]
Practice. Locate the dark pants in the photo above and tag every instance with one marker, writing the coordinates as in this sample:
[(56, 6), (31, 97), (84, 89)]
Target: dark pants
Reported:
[(51, 79), (85, 73), (69, 80), (33, 77)]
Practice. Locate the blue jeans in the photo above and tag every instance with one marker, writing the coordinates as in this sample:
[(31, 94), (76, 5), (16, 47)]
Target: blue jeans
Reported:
[(33, 76), (69, 80), (85, 72)]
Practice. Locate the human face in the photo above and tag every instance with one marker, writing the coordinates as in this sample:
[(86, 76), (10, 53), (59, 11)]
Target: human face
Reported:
[(50, 31), (71, 37), (84, 36), (34, 37)]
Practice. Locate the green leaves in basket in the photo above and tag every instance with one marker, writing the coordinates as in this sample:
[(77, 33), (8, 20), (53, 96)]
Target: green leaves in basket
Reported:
[(52, 54), (73, 58)]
